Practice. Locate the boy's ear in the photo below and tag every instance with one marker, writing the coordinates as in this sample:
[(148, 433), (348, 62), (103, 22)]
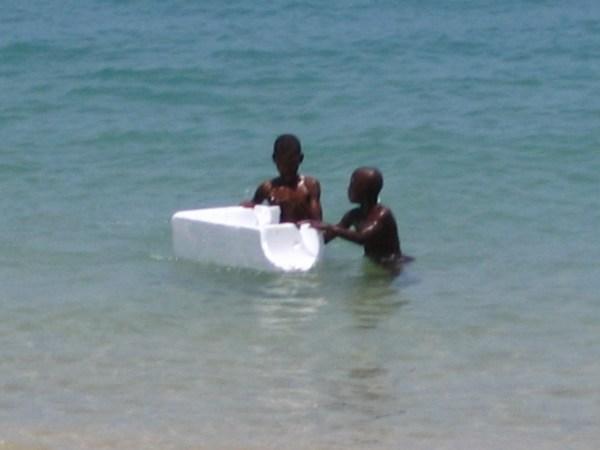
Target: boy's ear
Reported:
[(301, 157)]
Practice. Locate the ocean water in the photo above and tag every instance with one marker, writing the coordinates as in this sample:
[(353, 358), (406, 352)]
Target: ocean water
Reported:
[(483, 117)]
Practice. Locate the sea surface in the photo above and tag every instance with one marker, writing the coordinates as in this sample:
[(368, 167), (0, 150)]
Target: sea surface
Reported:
[(484, 117)]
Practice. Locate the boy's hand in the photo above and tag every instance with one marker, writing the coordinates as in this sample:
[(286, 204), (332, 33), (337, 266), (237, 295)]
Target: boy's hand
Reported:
[(317, 224), (328, 230), (247, 204)]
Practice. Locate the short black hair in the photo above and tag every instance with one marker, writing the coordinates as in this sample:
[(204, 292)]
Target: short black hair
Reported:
[(287, 143), (375, 180)]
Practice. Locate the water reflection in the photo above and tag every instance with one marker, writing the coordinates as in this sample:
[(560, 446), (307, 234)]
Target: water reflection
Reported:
[(285, 300), (316, 349), (362, 403), (374, 295), (361, 398)]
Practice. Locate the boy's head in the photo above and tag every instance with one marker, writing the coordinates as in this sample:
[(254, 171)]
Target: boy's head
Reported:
[(365, 185), (287, 154)]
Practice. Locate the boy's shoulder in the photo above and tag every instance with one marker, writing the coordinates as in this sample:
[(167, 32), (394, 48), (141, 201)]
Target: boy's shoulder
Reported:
[(309, 181), (351, 216), (384, 210), (266, 184), (386, 215), (313, 186), (265, 187)]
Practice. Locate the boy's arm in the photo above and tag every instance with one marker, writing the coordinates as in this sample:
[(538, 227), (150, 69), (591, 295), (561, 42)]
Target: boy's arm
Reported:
[(344, 231), (260, 195), (328, 230), (314, 208)]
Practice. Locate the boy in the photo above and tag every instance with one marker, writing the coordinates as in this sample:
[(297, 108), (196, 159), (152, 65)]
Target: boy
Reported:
[(298, 196), (374, 224)]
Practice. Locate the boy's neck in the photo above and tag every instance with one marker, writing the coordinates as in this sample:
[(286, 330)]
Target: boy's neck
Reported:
[(289, 180), (367, 206)]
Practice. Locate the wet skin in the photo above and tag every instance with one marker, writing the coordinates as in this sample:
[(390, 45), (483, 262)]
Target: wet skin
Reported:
[(297, 196), (371, 224)]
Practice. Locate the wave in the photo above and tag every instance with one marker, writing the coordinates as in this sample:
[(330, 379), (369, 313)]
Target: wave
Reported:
[(24, 51)]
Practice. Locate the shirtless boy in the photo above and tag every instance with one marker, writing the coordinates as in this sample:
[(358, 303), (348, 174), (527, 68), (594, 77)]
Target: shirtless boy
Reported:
[(298, 196), (371, 224)]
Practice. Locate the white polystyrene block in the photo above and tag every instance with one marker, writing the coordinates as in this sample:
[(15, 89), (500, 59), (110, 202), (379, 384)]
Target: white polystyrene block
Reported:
[(245, 237)]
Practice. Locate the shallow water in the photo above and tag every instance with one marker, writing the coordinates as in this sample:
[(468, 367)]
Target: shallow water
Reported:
[(483, 118)]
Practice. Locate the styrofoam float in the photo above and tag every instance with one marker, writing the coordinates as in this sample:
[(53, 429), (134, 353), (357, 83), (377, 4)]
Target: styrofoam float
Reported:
[(245, 237)]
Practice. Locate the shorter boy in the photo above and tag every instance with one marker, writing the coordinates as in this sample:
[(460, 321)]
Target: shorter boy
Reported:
[(371, 224), (298, 196)]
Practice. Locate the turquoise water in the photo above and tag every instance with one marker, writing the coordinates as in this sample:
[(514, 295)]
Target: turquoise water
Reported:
[(483, 117)]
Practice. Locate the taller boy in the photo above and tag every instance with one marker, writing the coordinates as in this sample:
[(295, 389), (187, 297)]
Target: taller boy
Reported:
[(298, 196)]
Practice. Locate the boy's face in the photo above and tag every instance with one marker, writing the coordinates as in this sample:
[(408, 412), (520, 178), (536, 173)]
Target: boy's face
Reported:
[(357, 187), (287, 162)]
